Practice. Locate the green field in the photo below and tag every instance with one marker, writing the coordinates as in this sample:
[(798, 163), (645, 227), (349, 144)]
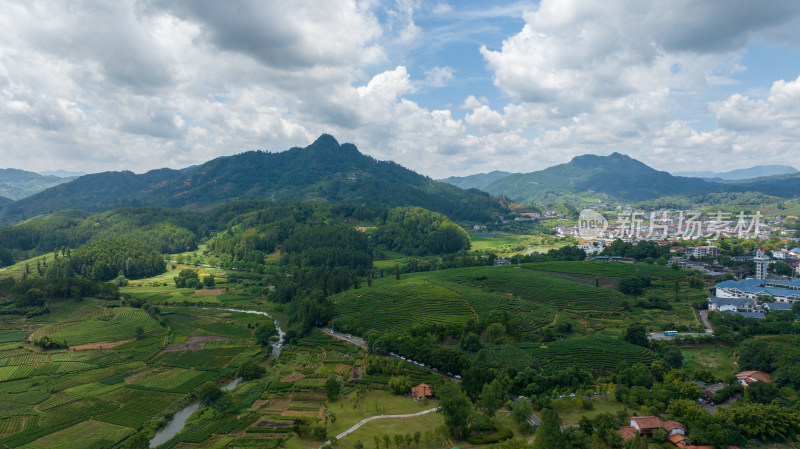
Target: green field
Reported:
[(115, 324), (609, 269), (534, 299)]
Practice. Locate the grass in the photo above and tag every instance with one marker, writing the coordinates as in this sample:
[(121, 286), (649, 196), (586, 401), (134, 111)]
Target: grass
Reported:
[(113, 325), (718, 360), (572, 415), (87, 434)]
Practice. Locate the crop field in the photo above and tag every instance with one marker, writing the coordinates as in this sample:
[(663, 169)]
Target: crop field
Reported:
[(538, 287), (85, 435), (176, 380), (201, 359), (609, 269), (399, 305), (114, 324), (135, 406), (600, 353)]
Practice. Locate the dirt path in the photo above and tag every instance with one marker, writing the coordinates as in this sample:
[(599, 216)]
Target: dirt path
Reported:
[(477, 319), (373, 418), (100, 345)]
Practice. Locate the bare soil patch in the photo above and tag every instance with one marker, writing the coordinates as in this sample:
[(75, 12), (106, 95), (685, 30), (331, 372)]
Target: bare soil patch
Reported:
[(209, 292), (356, 372), (100, 345), (193, 343), (294, 377), (273, 424)]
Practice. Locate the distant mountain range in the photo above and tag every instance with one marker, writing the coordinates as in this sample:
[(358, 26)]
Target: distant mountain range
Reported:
[(16, 184), (325, 171), (617, 176), (62, 173), (478, 181), (742, 173)]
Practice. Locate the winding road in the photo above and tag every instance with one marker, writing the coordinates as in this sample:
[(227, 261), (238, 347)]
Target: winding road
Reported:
[(373, 418)]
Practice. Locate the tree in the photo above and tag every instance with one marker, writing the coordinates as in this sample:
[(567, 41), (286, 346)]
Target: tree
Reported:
[(386, 440), (636, 334), (521, 412), (761, 392), (713, 430), (400, 384), (548, 435), (491, 397), (139, 331), (377, 440), (138, 440), (397, 271), (208, 281), (455, 407), (417, 437), (358, 445), (250, 369), (264, 332), (187, 278), (332, 388), (208, 393), (398, 439)]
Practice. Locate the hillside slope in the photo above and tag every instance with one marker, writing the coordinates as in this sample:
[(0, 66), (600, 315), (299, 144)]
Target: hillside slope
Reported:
[(325, 171), (17, 184), (617, 175), (476, 181)]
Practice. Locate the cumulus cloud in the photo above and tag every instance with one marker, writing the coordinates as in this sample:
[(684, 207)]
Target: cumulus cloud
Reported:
[(139, 84)]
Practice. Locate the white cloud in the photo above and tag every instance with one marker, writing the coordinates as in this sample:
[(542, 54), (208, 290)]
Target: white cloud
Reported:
[(438, 76)]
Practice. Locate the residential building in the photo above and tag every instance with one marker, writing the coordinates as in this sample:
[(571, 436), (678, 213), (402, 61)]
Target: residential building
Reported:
[(778, 289), (700, 252), (762, 263), (421, 391), (731, 304), (748, 377)]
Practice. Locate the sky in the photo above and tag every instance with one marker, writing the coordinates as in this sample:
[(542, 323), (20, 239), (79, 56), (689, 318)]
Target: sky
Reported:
[(442, 87)]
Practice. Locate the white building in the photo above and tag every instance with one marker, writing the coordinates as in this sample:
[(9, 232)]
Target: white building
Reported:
[(762, 263), (700, 252)]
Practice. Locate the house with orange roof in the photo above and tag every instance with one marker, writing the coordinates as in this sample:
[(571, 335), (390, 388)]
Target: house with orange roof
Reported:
[(747, 377), (421, 391)]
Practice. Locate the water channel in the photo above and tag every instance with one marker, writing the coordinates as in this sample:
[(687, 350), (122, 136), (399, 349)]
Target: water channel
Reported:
[(179, 420)]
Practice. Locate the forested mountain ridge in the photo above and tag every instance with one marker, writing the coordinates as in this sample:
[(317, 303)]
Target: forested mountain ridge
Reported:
[(325, 171), (476, 181), (93, 193), (616, 175), (16, 184)]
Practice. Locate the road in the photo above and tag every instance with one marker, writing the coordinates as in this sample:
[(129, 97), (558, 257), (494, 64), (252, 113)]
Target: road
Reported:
[(363, 344), (706, 323), (373, 418), (657, 336), (352, 340)]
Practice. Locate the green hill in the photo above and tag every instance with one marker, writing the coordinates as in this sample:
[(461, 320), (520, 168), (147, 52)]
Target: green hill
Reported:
[(325, 171), (478, 181), (16, 184), (618, 176)]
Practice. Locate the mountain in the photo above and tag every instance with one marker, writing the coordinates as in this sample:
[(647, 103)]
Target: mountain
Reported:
[(62, 173), (325, 171), (478, 181), (618, 176), (742, 173), (16, 184), (4, 201)]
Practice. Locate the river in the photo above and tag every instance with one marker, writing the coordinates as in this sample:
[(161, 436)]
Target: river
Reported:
[(179, 420)]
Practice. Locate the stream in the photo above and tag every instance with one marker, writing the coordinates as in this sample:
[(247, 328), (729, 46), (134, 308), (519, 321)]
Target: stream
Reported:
[(179, 420)]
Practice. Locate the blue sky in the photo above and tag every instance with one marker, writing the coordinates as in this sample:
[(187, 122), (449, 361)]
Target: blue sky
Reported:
[(442, 87)]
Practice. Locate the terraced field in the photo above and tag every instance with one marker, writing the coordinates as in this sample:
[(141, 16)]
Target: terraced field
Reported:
[(610, 269), (110, 325), (537, 287), (594, 352), (399, 305)]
